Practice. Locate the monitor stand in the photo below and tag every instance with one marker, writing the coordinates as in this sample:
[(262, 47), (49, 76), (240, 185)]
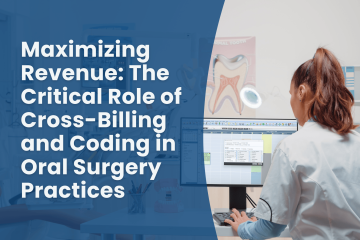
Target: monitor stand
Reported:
[(237, 198)]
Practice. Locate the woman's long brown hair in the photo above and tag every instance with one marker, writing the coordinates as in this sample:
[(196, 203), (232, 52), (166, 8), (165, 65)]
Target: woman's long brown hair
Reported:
[(332, 101)]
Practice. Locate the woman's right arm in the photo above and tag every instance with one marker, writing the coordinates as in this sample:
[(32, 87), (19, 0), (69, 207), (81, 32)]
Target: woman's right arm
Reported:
[(259, 230)]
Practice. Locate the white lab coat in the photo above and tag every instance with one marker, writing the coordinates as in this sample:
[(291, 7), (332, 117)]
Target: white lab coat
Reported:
[(313, 185)]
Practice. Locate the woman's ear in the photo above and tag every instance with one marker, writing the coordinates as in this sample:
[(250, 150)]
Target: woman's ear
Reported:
[(301, 92)]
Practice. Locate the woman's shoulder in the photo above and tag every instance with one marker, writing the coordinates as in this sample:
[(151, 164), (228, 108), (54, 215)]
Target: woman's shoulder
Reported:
[(306, 135), (313, 141), (313, 133)]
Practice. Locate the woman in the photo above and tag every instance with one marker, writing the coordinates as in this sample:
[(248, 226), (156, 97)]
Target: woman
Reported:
[(314, 181)]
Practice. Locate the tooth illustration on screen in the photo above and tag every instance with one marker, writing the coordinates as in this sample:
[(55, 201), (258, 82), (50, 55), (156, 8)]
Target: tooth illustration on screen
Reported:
[(229, 76)]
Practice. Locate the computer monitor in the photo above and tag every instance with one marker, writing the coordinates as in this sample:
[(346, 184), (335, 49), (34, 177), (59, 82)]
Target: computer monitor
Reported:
[(237, 152)]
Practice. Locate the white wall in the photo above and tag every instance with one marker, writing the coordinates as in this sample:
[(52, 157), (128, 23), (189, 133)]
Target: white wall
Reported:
[(288, 33)]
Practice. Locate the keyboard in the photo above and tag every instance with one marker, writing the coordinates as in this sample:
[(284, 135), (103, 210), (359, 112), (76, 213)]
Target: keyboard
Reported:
[(220, 217)]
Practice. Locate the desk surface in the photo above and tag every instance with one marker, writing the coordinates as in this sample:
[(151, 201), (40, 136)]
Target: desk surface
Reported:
[(151, 223)]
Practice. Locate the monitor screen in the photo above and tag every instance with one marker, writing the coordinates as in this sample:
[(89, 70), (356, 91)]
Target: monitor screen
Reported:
[(236, 152)]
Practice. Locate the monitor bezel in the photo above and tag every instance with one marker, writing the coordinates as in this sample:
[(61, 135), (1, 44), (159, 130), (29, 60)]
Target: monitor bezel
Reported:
[(226, 185)]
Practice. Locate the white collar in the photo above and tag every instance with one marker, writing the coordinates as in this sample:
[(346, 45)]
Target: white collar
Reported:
[(308, 124)]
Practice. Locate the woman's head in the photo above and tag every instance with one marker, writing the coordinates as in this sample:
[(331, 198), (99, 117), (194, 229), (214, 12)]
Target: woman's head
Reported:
[(318, 91)]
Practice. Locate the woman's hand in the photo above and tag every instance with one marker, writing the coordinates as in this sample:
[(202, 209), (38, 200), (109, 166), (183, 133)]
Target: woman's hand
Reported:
[(239, 218)]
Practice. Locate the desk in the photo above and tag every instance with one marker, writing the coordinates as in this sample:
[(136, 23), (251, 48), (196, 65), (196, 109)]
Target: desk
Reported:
[(227, 231), (120, 222)]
